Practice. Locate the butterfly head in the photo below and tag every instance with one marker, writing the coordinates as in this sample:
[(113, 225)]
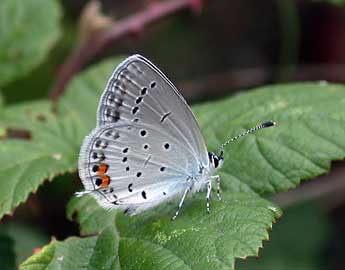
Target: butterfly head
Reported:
[(215, 161)]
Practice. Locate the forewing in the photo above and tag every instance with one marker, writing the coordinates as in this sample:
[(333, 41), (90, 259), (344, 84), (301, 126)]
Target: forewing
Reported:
[(138, 92)]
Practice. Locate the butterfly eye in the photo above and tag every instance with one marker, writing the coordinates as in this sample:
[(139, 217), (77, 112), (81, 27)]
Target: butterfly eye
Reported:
[(215, 161)]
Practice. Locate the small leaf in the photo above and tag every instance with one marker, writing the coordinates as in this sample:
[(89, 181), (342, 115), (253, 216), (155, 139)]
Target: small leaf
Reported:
[(28, 30), (95, 252)]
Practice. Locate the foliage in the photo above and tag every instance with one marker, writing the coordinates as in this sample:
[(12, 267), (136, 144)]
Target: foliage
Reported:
[(41, 140), (279, 160), (25, 39), (24, 239)]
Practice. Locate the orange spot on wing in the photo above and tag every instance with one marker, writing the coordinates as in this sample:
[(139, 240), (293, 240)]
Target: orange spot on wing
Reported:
[(105, 181), (102, 169)]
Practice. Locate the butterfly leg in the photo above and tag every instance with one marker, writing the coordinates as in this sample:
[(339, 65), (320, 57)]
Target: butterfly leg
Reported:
[(217, 178), (218, 187), (181, 202), (208, 196)]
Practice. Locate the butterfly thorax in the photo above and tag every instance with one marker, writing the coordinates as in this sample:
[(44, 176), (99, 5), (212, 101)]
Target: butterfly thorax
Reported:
[(205, 174)]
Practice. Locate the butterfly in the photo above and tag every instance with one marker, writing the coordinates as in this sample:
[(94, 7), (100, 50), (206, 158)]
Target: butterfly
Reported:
[(147, 147)]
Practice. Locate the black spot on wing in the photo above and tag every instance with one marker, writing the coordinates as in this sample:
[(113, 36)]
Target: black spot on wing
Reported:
[(165, 116), (135, 110), (166, 146), (143, 91), (138, 100), (98, 181)]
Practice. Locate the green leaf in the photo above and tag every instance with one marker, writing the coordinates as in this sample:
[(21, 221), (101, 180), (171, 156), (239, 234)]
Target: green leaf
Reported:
[(28, 30), (196, 240), (308, 136), (95, 252), (51, 149), (304, 224)]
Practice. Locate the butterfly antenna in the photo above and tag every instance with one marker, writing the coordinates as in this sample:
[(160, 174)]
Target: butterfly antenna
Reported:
[(263, 125)]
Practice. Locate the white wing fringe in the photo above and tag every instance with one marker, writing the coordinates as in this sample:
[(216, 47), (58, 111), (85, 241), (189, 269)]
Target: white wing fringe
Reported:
[(81, 193)]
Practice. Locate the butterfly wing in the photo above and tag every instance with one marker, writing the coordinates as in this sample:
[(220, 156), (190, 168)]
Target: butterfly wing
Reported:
[(147, 142), (126, 169), (138, 91)]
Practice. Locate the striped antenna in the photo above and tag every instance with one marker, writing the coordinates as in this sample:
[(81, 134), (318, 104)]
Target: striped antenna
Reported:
[(263, 125)]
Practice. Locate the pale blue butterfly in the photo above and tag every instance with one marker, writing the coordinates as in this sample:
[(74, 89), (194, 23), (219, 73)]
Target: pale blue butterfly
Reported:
[(147, 147)]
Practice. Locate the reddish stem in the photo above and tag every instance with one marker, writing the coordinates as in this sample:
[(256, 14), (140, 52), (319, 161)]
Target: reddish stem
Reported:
[(131, 25)]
